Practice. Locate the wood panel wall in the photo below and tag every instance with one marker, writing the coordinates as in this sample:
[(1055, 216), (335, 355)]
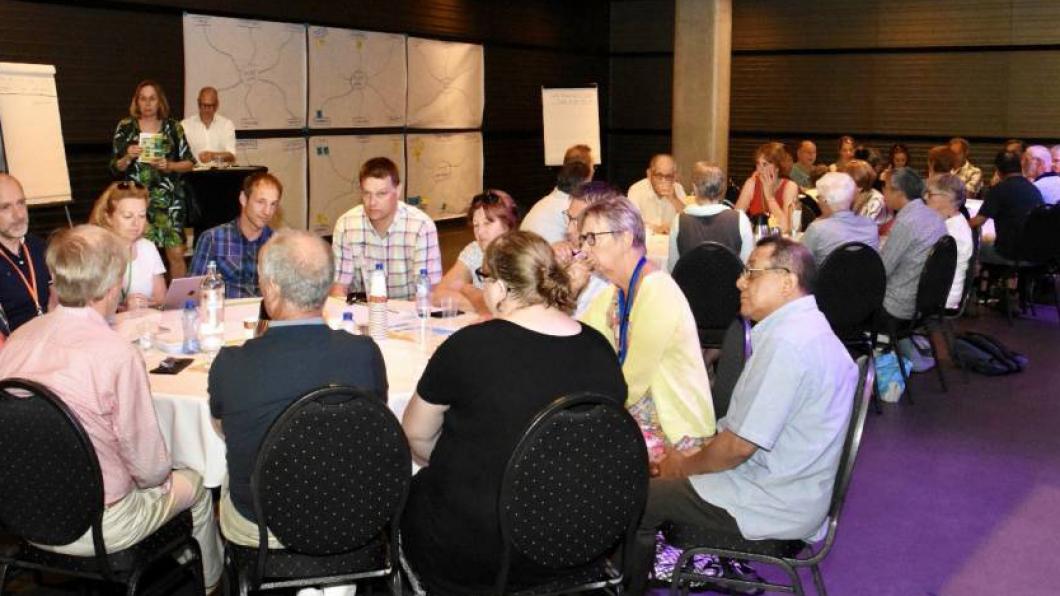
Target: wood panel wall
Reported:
[(915, 71), (101, 50)]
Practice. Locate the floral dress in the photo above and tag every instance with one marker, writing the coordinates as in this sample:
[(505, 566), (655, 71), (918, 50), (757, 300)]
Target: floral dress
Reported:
[(166, 207)]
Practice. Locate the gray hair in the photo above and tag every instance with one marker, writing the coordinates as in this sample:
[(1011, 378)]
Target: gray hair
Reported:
[(86, 262), (908, 181), (708, 181), (596, 191), (1042, 154), (794, 257), (950, 185), (300, 264), (837, 189), (620, 215)]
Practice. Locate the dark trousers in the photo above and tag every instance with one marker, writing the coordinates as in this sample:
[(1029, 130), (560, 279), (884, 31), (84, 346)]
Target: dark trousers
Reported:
[(671, 501)]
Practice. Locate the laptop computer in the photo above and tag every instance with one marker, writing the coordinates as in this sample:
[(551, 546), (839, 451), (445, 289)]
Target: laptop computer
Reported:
[(181, 290)]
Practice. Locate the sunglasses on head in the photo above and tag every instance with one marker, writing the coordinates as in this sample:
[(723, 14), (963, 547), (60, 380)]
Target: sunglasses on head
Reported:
[(129, 185), (486, 198)]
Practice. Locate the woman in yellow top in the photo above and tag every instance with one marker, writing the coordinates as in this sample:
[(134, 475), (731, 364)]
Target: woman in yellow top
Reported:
[(647, 319)]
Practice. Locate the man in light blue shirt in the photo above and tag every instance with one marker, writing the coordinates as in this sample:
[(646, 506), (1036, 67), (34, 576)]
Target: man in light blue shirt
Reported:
[(769, 471), (837, 224)]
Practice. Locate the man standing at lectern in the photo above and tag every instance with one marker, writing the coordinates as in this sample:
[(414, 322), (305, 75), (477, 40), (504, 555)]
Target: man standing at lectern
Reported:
[(25, 283), (211, 136)]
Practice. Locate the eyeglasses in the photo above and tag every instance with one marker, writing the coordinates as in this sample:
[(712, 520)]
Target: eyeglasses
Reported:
[(661, 176), (486, 198), (567, 217), (590, 237), (751, 273), (207, 105), (482, 276)]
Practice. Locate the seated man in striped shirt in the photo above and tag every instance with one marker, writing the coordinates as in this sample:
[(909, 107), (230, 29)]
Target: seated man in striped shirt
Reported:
[(383, 229), (234, 245)]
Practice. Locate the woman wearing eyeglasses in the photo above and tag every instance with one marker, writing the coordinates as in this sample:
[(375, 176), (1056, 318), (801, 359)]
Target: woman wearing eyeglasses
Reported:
[(480, 390), (491, 214), (157, 166), (647, 319), (767, 193), (122, 209)]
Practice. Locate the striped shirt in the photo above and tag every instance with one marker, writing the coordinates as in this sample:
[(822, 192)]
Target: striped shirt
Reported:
[(236, 257), (410, 244)]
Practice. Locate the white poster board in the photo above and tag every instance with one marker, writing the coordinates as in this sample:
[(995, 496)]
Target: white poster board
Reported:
[(571, 116), (258, 68), (286, 159), (334, 165), (356, 79), (446, 83), (31, 135), (444, 172)]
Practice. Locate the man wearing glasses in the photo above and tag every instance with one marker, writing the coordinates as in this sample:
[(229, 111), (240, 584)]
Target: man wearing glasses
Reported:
[(659, 196), (768, 473), (211, 136)]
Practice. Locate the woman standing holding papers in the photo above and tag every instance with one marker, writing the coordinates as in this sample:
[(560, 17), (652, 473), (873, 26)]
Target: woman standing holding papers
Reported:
[(477, 395), (122, 209), (157, 167)]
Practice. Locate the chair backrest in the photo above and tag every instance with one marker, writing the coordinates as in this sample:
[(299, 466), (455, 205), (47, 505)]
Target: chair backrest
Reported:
[(851, 446), (969, 274), (332, 472), (936, 278), (1040, 241), (810, 211), (51, 488), (850, 286), (707, 276), (575, 484), (735, 350)]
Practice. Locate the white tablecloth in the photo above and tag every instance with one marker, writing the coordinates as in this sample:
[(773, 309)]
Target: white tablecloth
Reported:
[(181, 400)]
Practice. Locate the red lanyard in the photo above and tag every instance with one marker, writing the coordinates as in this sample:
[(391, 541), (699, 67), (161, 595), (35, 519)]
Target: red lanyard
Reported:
[(31, 283)]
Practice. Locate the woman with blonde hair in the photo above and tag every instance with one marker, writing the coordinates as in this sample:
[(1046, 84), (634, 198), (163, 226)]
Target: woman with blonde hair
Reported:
[(767, 192), (122, 209), (480, 390)]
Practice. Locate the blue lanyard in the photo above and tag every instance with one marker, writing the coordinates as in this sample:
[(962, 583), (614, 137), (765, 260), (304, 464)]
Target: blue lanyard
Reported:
[(625, 306)]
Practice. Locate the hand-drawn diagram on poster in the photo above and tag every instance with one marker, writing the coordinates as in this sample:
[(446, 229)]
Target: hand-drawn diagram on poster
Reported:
[(444, 171), (356, 79), (258, 68), (286, 159), (445, 84), (334, 162)]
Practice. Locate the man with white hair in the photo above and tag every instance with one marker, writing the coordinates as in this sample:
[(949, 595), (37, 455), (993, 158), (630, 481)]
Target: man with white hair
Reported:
[(837, 224), (709, 220), (658, 196), (251, 385), (1038, 168)]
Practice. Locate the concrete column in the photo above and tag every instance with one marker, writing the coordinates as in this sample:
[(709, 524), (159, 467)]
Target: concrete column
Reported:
[(702, 65)]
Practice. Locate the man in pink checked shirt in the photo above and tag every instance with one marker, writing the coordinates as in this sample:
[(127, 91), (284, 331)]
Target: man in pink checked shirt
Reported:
[(101, 377)]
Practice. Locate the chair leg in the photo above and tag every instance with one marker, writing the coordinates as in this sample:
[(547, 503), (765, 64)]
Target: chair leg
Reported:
[(818, 580), (1056, 294)]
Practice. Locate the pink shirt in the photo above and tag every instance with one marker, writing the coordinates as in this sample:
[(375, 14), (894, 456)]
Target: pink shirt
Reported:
[(102, 378)]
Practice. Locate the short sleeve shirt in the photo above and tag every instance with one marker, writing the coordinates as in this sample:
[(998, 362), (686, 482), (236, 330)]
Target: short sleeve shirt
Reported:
[(471, 257)]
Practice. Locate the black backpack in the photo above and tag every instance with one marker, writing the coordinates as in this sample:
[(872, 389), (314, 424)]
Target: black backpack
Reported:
[(986, 355)]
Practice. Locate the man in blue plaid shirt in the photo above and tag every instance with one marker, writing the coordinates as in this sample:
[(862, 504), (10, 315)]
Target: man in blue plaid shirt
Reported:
[(234, 245)]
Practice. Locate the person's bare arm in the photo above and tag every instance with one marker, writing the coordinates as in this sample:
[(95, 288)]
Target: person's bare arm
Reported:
[(422, 422), (724, 452)]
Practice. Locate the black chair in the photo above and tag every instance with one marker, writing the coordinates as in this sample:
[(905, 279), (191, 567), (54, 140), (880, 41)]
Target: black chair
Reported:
[(967, 297), (810, 211), (735, 350), (330, 482), (932, 289), (1037, 255), (850, 288), (52, 494), (789, 555), (707, 276), (573, 490)]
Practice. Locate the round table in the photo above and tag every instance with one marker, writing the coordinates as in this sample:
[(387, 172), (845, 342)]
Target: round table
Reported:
[(182, 402)]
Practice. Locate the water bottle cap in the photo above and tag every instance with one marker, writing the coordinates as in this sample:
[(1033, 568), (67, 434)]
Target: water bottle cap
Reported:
[(423, 271), (189, 304), (347, 316), (378, 266)]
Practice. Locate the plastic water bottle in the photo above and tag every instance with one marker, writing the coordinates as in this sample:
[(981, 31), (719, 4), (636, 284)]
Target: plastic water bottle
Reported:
[(423, 295), (349, 325), (377, 304), (212, 311), (190, 319)]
